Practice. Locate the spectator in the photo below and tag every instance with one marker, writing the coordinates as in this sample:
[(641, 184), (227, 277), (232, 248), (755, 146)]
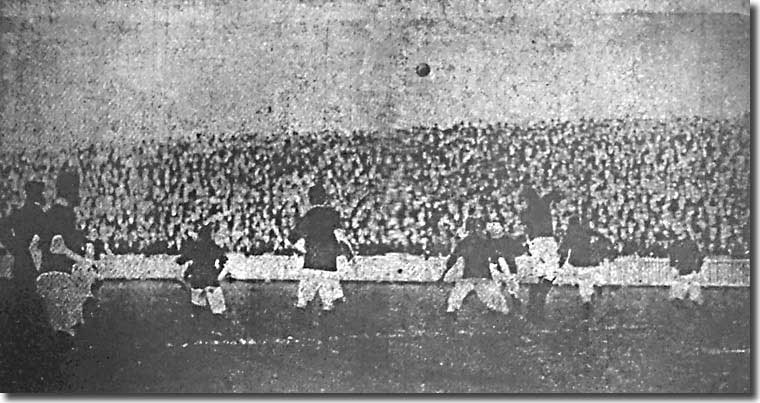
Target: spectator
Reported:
[(624, 175)]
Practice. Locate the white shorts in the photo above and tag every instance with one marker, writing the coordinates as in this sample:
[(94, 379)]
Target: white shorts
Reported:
[(324, 283), (64, 295), (682, 287), (489, 291), (586, 278), (511, 281), (544, 252), (209, 296)]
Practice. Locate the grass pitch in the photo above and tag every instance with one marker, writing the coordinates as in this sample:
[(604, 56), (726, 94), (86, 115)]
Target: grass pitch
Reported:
[(143, 336)]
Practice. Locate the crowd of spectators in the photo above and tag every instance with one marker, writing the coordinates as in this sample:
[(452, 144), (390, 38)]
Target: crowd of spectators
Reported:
[(409, 191)]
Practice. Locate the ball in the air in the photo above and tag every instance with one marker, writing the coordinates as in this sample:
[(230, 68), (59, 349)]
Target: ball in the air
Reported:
[(423, 69)]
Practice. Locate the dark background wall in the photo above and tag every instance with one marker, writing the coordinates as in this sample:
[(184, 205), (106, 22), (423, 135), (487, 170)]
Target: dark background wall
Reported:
[(111, 68)]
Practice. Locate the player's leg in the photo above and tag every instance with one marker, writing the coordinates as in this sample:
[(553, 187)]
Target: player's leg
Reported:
[(678, 289), (216, 302), (541, 292), (547, 266), (77, 314), (307, 291), (512, 286), (339, 296), (534, 288), (330, 291), (586, 290), (546, 252), (588, 307), (695, 292), (513, 290), (198, 297), (489, 291), (460, 291)]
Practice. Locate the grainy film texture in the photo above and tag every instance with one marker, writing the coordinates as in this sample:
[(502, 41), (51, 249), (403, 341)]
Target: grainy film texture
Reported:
[(375, 196)]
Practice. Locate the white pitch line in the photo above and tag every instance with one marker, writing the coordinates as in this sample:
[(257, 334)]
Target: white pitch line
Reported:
[(720, 351), (309, 341), (290, 340)]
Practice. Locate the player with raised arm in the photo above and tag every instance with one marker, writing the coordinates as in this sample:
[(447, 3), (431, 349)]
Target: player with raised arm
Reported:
[(61, 220), (542, 245), (319, 237), (17, 233), (579, 260), (686, 260), (505, 249), (71, 276), (205, 272), (476, 250)]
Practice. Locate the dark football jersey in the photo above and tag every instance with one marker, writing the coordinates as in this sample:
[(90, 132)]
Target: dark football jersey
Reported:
[(685, 256), (317, 228), (61, 220), (509, 249), (17, 232), (577, 243), (538, 220), (203, 271), (476, 251)]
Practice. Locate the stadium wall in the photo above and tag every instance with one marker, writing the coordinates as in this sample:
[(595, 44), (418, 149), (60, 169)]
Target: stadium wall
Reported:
[(119, 69), (407, 268)]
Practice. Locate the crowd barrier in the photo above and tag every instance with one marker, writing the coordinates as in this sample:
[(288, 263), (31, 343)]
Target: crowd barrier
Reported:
[(716, 272)]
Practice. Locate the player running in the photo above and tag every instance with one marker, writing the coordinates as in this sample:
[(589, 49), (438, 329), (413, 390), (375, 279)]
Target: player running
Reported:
[(61, 220), (320, 238), (17, 233), (70, 275), (205, 272), (475, 249), (579, 261), (505, 249), (537, 218), (686, 260)]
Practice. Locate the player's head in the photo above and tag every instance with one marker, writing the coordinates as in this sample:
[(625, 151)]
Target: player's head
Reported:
[(34, 191), (317, 194), (474, 225), (206, 231), (495, 229), (555, 197), (679, 230), (528, 193)]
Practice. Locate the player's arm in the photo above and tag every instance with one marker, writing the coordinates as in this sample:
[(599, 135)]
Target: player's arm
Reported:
[(699, 256), (296, 239), (451, 261), (7, 225), (527, 222), (496, 257), (501, 265), (300, 246), (184, 266), (340, 236), (221, 257), (182, 259), (508, 264), (342, 239), (185, 257), (187, 251), (594, 233), (222, 263), (223, 274), (74, 238), (564, 250), (564, 254)]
